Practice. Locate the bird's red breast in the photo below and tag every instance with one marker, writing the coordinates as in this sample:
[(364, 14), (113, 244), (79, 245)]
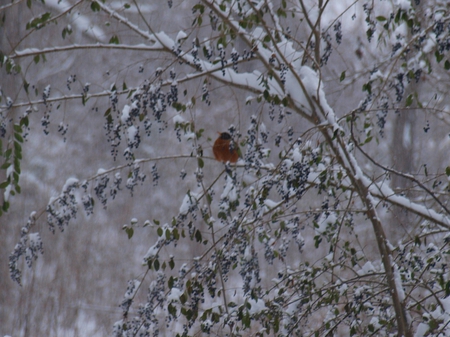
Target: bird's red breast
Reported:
[(222, 151)]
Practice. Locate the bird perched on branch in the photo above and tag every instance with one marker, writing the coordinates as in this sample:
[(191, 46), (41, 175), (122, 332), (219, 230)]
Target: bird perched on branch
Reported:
[(224, 150)]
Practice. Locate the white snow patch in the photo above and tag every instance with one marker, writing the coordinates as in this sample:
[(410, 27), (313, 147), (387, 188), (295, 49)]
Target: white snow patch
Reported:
[(342, 288), (257, 306), (189, 200), (229, 191), (153, 250), (428, 46), (366, 269), (7, 192), (174, 295), (125, 114), (189, 135), (131, 134), (69, 183), (100, 171), (35, 239), (178, 119), (405, 5), (248, 253), (446, 304), (421, 330), (376, 323), (398, 284), (181, 36), (324, 221), (297, 155), (271, 204)]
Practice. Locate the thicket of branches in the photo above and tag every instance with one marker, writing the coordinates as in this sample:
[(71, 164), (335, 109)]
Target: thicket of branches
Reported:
[(335, 219)]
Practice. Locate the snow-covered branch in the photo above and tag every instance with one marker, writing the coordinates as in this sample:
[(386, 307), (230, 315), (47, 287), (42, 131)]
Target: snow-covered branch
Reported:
[(62, 49)]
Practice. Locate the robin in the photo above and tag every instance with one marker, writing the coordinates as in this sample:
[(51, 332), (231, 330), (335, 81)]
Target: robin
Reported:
[(222, 151)]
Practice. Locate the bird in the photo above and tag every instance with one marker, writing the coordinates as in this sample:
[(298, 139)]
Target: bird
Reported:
[(222, 151)]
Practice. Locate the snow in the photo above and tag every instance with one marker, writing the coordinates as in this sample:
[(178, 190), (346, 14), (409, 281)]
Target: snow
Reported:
[(421, 330), (35, 239), (398, 283), (101, 171), (303, 86), (33, 215), (366, 269), (342, 287), (189, 200), (257, 306), (181, 36), (125, 114), (250, 80), (446, 303), (230, 190), (9, 170), (375, 322), (292, 308), (70, 183), (390, 245), (258, 33), (383, 191), (300, 239), (47, 90), (178, 119), (133, 286), (428, 46), (297, 155), (125, 21), (272, 204), (153, 251), (404, 5), (174, 295), (7, 192), (295, 89), (248, 253), (189, 135), (324, 221), (311, 87), (83, 23), (131, 134), (139, 47), (376, 75)]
